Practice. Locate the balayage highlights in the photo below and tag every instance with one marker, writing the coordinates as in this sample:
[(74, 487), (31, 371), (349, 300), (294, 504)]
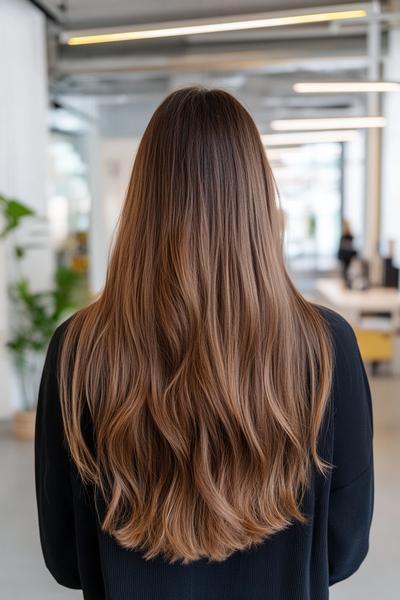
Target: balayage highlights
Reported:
[(206, 374)]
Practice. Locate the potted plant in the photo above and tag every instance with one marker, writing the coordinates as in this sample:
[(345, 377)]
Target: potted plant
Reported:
[(35, 317)]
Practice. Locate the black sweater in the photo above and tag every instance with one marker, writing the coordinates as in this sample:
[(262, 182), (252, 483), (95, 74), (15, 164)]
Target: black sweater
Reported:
[(296, 564)]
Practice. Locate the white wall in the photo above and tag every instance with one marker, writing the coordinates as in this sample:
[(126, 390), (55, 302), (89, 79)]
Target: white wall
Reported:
[(23, 140), (390, 215)]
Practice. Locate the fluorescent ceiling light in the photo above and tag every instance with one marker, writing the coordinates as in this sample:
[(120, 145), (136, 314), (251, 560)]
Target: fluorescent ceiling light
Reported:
[(333, 87), (327, 123), (202, 26), (278, 152), (307, 137)]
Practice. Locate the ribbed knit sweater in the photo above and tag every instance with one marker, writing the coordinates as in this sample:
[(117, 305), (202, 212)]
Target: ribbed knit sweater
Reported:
[(298, 563)]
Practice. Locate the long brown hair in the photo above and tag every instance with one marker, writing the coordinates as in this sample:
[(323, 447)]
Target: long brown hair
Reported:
[(206, 374)]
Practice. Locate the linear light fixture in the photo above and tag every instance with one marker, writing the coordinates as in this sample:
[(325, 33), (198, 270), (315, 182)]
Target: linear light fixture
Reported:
[(277, 153), (335, 87), (307, 137), (202, 26), (327, 123)]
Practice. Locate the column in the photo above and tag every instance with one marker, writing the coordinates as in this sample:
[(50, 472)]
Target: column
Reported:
[(23, 156), (391, 149)]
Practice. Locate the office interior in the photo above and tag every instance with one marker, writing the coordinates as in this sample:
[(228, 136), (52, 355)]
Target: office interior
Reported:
[(79, 82)]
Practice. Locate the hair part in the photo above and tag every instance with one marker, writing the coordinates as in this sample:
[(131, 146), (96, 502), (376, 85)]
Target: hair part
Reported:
[(205, 373)]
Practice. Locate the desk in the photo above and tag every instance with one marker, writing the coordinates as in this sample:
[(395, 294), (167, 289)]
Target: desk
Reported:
[(352, 303)]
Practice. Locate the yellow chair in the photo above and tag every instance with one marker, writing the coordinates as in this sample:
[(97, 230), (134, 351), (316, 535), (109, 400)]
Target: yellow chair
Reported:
[(375, 346)]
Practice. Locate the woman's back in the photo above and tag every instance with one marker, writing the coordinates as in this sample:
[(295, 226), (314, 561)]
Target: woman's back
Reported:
[(190, 416), (298, 563)]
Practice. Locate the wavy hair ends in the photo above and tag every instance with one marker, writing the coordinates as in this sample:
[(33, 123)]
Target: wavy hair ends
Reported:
[(205, 374)]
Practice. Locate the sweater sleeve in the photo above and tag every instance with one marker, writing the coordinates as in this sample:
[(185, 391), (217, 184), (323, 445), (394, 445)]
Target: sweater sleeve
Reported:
[(53, 478), (352, 485)]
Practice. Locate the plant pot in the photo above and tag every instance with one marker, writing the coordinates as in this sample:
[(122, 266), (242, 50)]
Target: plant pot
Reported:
[(24, 424)]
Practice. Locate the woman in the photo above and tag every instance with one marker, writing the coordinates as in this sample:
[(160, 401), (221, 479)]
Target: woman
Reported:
[(346, 251), (203, 432)]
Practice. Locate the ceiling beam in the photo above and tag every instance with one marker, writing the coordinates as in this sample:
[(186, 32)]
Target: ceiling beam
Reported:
[(51, 14)]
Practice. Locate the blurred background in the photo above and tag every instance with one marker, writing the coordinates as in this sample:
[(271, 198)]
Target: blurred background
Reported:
[(79, 82)]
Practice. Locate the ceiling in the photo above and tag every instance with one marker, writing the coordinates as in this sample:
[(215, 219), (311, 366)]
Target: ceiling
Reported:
[(259, 66), (92, 13)]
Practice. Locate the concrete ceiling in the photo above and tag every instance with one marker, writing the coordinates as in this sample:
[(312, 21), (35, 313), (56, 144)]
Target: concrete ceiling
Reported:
[(92, 13), (259, 67)]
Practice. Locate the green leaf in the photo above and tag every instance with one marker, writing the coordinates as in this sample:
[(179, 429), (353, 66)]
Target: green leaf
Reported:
[(13, 212), (19, 251)]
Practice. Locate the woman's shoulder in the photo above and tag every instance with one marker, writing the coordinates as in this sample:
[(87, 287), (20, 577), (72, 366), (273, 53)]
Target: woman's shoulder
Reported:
[(58, 336), (342, 333), (350, 381)]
